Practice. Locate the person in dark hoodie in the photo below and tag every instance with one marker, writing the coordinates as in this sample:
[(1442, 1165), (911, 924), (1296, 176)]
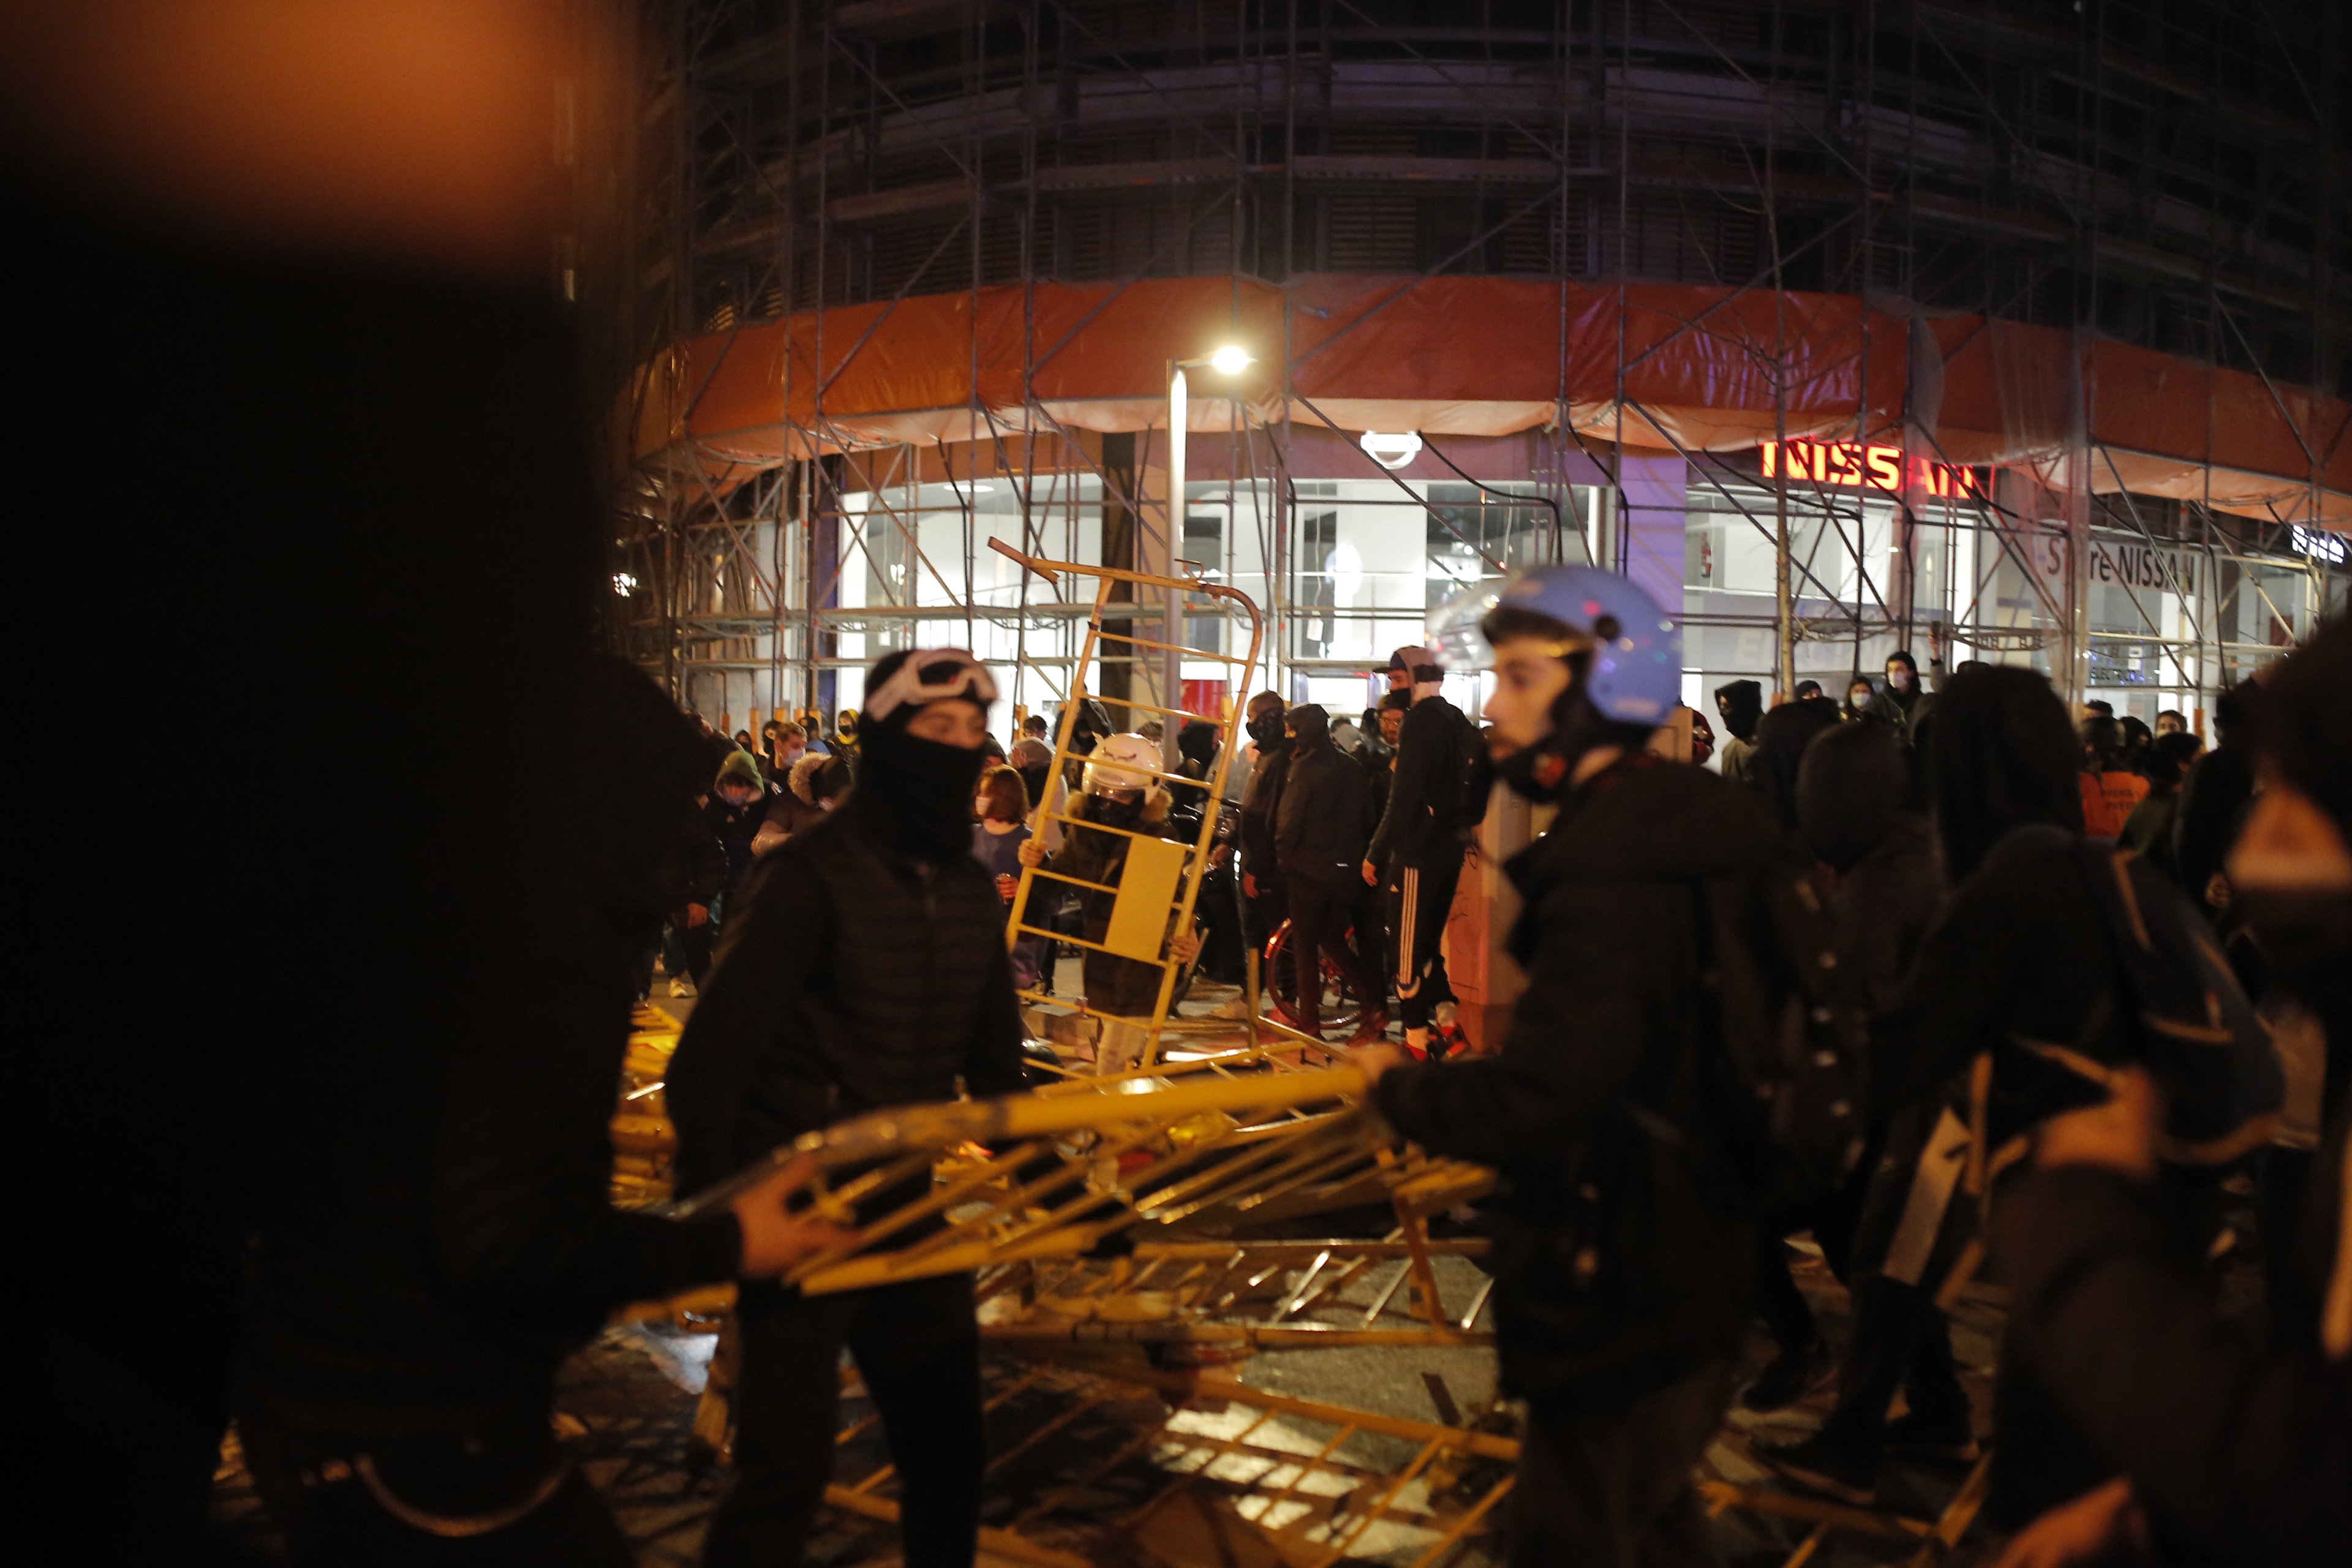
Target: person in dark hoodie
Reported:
[(1415, 856), (1781, 738), (2215, 799), (1903, 704), (2027, 953), (867, 969), (1740, 705), (1887, 894), (1318, 837), (737, 807), (1263, 904), (1621, 1274), (2227, 1449)]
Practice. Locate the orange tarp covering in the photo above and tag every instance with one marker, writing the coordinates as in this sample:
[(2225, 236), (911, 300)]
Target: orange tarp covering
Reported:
[(1705, 369)]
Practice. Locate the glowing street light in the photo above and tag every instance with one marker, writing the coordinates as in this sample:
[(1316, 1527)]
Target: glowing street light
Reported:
[(1226, 360)]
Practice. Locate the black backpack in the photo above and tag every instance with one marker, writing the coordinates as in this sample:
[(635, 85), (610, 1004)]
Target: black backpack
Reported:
[(1786, 1060), (2197, 1033)]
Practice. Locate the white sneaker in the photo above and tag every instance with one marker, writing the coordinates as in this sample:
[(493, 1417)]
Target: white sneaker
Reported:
[(681, 988)]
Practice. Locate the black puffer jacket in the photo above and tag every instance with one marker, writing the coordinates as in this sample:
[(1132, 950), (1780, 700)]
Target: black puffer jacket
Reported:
[(1617, 1270), (852, 979), (1319, 825)]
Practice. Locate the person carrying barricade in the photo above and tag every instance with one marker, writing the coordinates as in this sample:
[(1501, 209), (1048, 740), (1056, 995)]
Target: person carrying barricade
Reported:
[(1121, 802), (867, 969)]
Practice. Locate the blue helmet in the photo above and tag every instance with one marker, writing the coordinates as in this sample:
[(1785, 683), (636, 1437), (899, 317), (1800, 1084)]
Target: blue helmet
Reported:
[(1635, 676)]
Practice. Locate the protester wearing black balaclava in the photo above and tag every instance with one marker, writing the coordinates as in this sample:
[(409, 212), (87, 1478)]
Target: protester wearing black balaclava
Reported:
[(868, 969), (914, 793)]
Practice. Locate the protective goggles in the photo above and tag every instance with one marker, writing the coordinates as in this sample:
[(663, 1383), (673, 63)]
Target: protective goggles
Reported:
[(932, 675)]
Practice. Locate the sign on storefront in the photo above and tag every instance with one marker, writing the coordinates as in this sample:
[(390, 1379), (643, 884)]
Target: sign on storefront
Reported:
[(1862, 466)]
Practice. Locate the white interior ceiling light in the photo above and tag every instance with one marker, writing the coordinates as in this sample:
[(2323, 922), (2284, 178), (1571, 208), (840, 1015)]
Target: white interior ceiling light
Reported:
[(1231, 360), (1391, 452)]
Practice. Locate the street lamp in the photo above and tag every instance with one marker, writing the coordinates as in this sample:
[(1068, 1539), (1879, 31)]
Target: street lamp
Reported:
[(1226, 360)]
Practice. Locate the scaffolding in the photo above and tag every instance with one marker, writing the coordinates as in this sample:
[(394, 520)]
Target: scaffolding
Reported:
[(2164, 177)]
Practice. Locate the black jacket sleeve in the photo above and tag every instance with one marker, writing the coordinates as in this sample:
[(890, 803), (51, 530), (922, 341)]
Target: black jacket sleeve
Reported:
[(1259, 808), (1579, 1033), (757, 988), (1423, 751), (2247, 1456), (523, 1223)]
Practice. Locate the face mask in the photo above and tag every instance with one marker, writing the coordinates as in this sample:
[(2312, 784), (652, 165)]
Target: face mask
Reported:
[(1899, 679), (1113, 811), (1266, 729), (910, 789)]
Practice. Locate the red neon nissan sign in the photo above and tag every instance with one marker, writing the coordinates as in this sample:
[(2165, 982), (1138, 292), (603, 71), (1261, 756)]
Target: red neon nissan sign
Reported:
[(1860, 466)]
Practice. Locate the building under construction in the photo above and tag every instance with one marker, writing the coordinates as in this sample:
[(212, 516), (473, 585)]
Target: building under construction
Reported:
[(2021, 332)]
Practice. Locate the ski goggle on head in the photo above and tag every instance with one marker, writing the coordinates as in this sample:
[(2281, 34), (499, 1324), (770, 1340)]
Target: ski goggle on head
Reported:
[(932, 675)]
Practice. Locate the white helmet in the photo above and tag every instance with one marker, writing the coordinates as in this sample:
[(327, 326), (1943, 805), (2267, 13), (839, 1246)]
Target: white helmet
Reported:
[(1121, 761)]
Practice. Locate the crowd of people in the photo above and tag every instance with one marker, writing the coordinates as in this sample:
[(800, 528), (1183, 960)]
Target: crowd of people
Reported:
[(2065, 1002), (2068, 941)]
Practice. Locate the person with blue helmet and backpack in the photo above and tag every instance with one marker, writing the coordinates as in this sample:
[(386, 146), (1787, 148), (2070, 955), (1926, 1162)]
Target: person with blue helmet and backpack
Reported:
[(1623, 1273)]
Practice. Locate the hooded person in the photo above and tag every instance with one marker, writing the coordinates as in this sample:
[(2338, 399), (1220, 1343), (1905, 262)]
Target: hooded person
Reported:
[(2229, 1446), (734, 812), (1782, 738), (2215, 799), (1903, 702), (1841, 817), (2027, 974), (1740, 705), (1319, 835), (867, 969), (815, 783), (1122, 801), (1887, 892), (1262, 905), (1436, 794), (1196, 751), (1622, 1275)]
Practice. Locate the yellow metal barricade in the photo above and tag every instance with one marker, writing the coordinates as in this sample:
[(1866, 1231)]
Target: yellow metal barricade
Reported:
[(1162, 878)]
